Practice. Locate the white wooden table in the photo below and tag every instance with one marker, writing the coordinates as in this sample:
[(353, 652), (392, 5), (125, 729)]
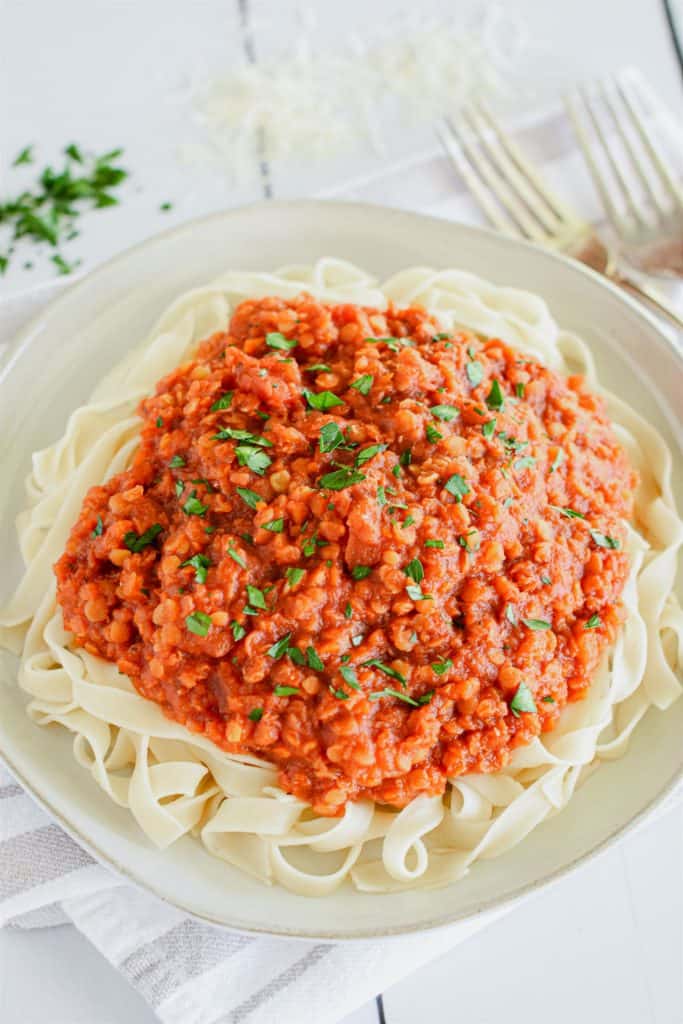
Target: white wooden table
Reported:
[(604, 944)]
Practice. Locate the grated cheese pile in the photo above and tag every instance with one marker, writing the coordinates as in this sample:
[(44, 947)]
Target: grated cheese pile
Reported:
[(313, 104)]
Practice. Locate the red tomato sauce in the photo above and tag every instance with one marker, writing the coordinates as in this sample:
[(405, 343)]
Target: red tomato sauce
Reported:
[(410, 603)]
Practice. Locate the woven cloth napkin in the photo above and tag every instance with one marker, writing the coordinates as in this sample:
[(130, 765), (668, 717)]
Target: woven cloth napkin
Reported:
[(191, 973)]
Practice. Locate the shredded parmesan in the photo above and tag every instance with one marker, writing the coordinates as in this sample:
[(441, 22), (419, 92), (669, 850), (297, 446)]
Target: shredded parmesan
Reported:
[(314, 104)]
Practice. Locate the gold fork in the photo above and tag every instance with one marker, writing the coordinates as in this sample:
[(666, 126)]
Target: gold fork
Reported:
[(516, 200)]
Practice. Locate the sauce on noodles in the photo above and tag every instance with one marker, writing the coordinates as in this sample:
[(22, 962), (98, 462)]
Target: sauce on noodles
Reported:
[(372, 553)]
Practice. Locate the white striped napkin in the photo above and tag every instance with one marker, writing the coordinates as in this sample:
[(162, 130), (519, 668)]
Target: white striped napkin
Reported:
[(191, 973)]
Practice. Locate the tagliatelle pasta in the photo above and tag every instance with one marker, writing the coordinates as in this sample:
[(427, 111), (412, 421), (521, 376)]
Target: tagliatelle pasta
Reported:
[(176, 782)]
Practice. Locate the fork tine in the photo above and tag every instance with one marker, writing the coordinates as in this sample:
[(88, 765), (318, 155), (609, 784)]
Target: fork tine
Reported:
[(653, 148), (498, 187), (627, 142), (543, 213), (572, 102), (559, 208), (490, 209), (626, 190)]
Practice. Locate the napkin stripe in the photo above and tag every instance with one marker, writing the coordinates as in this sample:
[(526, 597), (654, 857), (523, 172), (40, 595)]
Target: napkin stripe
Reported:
[(33, 858), (185, 951), (281, 981)]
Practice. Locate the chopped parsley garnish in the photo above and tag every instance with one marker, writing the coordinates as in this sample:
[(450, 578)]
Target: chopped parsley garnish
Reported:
[(568, 513), (233, 434), (339, 694), (523, 700), (386, 669), (277, 340), (296, 655), (340, 479), (250, 498), (441, 667), (519, 389), (415, 570), (414, 592), (25, 156), (285, 691), (359, 572), (488, 428), (381, 495), (280, 647), (323, 400), (223, 402), (253, 458), (200, 564), (256, 597), (193, 506), (457, 486), (432, 433), (444, 412), (369, 453), (179, 488), (537, 624), (441, 336), (603, 541), (388, 692), (275, 525), (434, 544), (136, 542), (165, 207), (318, 368), (475, 372), (314, 660), (160, 421), (495, 398), (558, 460), (98, 528), (363, 384), (294, 576), (177, 462), (464, 541), (405, 458), (236, 557), (348, 611), (548, 700), (593, 622), (348, 674), (511, 614), (255, 715), (47, 212), (198, 623), (331, 437), (238, 631), (546, 580), (524, 463)]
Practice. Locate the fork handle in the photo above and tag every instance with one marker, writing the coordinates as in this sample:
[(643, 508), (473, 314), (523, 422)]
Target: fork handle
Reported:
[(650, 295)]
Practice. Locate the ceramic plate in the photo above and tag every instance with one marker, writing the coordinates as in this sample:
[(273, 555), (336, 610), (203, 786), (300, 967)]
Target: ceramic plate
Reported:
[(80, 336)]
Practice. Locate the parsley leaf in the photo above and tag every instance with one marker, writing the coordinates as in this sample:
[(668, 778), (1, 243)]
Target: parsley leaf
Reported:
[(198, 623), (277, 340), (280, 647), (238, 631), (331, 437), (98, 528), (386, 669), (359, 572), (475, 372), (200, 564), (388, 692), (441, 667), (136, 542), (314, 660), (286, 691), (415, 570), (445, 412), (523, 700), (294, 576), (256, 597), (255, 715), (568, 513), (363, 384), (253, 458), (495, 398), (323, 400), (369, 453), (457, 486), (340, 479), (434, 544), (537, 624), (223, 402), (250, 498), (603, 541), (177, 462), (193, 506), (593, 622), (275, 525)]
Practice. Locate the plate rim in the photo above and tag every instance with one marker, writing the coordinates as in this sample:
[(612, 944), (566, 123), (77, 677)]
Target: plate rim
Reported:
[(483, 907)]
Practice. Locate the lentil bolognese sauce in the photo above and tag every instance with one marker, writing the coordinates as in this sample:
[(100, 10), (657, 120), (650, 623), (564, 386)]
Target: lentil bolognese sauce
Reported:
[(373, 553)]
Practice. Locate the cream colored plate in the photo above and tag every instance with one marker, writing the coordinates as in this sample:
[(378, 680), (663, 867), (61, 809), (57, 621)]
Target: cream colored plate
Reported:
[(71, 345)]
